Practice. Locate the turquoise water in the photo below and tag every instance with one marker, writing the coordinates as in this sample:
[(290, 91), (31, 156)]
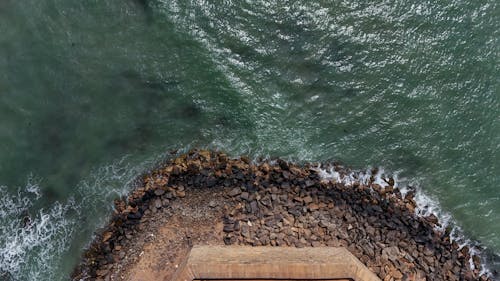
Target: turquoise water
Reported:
[(92, 93)]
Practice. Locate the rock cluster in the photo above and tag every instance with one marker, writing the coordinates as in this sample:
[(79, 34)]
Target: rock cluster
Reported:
[(277, 203)]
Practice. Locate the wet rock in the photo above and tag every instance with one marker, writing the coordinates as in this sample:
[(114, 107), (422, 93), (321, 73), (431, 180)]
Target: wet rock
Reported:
[(205, 154), (477, 261), (432, 219)]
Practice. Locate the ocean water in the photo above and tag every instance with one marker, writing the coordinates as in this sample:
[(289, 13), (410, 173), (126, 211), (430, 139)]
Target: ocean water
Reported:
[(92, 93)]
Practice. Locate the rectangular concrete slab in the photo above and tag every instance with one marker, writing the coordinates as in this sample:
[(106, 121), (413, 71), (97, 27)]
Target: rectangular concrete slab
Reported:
[(272, 263)]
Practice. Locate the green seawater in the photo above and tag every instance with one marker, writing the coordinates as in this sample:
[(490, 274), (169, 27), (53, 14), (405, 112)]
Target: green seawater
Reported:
[(92, 93)]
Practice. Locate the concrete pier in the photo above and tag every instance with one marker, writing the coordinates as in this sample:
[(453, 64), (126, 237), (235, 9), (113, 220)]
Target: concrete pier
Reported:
[(272, 263)]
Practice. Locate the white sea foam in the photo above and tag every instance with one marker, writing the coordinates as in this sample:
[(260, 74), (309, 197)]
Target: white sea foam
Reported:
[(30, 243), (352, 177), (34, 241)]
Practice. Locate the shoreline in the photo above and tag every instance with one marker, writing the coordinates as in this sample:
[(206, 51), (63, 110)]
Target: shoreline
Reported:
[(206, 197)]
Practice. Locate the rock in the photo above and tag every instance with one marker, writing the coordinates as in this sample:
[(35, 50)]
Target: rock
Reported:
[(211, 182), (428, 251), (254, 207), (324, 223), (370, 230), (283, 164), (313, 207), (134, 216), (432, 219), (102, 272), (212, 204), (390, 253), (158, 204), (159, 191), (228, 227), (245, 159), (477, 261), (245, 231), (283, 204), (310, 183), (307, 199), (234, 192), (205, 154), (165, 202), (245, 196), (396, 274)]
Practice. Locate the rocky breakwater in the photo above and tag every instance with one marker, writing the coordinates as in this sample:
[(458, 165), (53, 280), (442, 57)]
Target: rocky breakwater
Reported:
[(278, 203)]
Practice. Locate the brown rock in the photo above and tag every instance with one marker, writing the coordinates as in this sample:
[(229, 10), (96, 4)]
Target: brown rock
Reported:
[(396, 274), (307, 199), (432, 219), (106, 236), (313, 207), (205, 154), (102, 272)]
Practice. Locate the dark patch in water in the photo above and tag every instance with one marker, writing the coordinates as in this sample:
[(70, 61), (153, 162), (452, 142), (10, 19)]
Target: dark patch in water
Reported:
[(493, 259), (130, 74), (160, 85), (152, 83), (244, 51), (6, 276), (190, 111), (223, 120), (410, 159), (350, 92), (146, 7)]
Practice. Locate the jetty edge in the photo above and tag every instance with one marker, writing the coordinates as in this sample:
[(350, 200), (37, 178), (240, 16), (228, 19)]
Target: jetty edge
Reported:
[(208, 198)]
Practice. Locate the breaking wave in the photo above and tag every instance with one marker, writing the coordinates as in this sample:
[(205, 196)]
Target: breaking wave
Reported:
[(36, 243)]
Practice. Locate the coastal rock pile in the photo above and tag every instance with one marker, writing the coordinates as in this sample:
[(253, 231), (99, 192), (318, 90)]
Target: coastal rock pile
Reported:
[(277, 203)]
